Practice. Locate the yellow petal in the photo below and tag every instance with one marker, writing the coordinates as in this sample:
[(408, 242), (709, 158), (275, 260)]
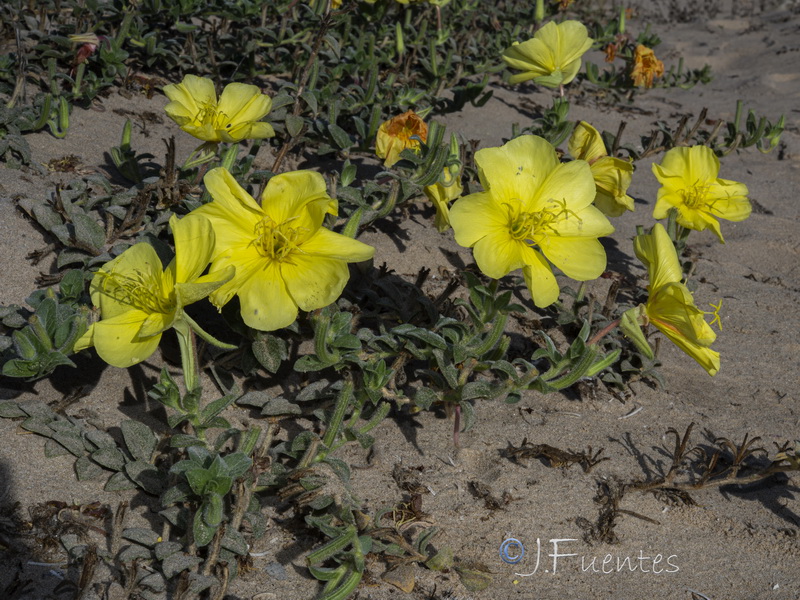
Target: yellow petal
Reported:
[(137, 266), (85, 341), (156, 323), (266, 304), (298, 195), (203, 131), (313, 281), (517, 170), (261, 130), (610, 205), (532, 57), (671, 309), (569, 71), (728, 200), (582, 259), (441, 193), (497, 254), (189, 96), (328, 244), (474, 216), (657, 253), (247, 263), (552, 57), (569, 185), (696, 165), (588, 222), (586, 143), (189, 293), (242, 103), (573, 41), (541, 282), (230, 196), (117, 340), (194, 245)]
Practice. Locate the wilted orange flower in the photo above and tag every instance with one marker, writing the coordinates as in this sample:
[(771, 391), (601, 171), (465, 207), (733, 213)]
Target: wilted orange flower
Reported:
[(395, 135), (611, 52), (646, 67)]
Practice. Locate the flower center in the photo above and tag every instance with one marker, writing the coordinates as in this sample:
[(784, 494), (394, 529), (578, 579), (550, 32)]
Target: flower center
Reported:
[(209, 115), (277, 241), (694, 196), (531, 227), (139, 290)]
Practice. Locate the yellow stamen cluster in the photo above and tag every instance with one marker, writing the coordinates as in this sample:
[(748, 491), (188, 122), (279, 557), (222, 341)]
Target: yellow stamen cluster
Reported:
[(277, 241), (141, 291)]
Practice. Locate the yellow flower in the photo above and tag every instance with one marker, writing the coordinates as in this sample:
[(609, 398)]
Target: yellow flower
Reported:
[(689, 183), (532, 207), (612, 175), (139, 299), (232, 118), (645, 67), (395, 135), (447, 188), (442, 193), (283, 256), (670, 306), (552, 57)]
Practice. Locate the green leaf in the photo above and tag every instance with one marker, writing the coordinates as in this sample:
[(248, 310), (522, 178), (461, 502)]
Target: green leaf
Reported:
[(255, 398), (118, 482), (88, 231), (110, 458), (180, 561), (467, 415), (203, 534), (311, 99), (164, 549), (182, 440), (340, 136), (146, 476), (212, 508), (71, 285), (280, 406), (294, 125), (235, 542), (177, 493), (425, 397), (237, 464), (141, 535), (269, 351), (135, 552), (214, 408), (139, 439), (85, 469), (198, 479), (424, 335), (100, 439), (11, 410), (477, 389), (154, 582)]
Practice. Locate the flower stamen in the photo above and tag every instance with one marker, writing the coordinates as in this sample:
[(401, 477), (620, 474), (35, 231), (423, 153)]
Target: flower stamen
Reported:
[(277, 241), (717, 318)]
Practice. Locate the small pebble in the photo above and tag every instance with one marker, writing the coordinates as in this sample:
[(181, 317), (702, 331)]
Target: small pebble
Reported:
[(276, 571)]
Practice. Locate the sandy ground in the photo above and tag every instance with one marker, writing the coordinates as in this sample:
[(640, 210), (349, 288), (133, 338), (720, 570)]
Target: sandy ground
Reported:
[(735, 543)]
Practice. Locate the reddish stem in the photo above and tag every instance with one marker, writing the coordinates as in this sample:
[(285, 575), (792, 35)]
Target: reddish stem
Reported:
[(602, 333)]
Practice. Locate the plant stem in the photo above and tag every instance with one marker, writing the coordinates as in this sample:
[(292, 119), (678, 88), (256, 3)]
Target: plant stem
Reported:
[(188, 357), (603, 332)]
